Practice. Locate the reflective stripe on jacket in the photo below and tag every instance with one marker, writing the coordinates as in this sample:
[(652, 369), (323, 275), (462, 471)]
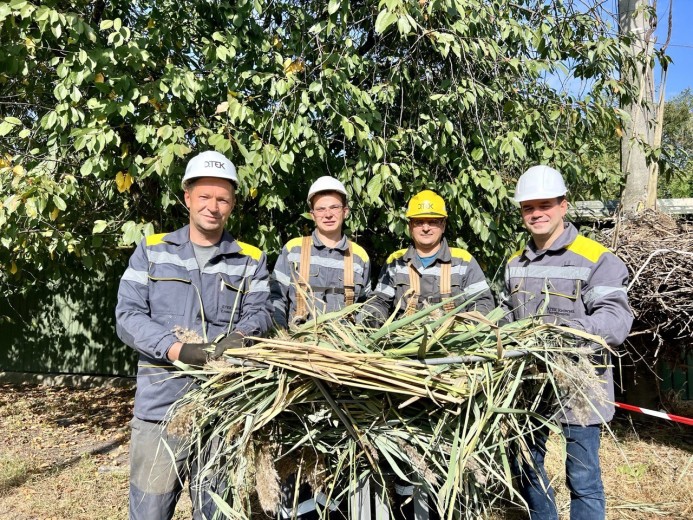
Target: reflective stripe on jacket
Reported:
[(164, 288), (326, 278), (393, 282), (585, 284)]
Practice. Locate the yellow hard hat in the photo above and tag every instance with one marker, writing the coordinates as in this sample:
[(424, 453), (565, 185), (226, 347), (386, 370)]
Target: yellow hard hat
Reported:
[(426, 204)]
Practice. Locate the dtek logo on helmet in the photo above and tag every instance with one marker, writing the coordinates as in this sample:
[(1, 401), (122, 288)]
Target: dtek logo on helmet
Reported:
[(426, 204), (214, 164)]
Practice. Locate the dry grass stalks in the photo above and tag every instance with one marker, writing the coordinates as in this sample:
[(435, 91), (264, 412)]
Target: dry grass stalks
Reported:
[(340, 402), (267, 478)]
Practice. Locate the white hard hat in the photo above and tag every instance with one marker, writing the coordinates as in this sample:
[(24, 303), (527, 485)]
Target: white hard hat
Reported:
[(539, 182), (326, 183), (210, 164)]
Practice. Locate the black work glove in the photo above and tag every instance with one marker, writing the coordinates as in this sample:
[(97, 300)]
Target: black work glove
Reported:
[(233, 340), (193, 353), (197, 353)]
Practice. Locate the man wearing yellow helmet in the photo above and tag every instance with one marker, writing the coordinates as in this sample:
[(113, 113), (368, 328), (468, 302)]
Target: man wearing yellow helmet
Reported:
[(429, 270)]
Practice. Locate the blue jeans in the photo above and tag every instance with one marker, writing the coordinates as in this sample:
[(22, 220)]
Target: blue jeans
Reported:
[(158, 467), (583, 475)]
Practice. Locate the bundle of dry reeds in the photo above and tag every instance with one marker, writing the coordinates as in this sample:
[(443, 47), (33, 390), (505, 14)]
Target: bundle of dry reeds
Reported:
[(432, 399)]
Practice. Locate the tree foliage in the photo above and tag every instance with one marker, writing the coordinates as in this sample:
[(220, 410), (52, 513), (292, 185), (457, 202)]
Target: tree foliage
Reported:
[(102, 103), (676, 161)]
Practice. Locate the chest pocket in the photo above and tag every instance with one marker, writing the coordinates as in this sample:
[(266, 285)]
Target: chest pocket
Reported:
[(456, 284), (169, 290), (230, 300), (402, 293), (313, 281), (313, 274), (328, 288), (523, 300), (564, 297)]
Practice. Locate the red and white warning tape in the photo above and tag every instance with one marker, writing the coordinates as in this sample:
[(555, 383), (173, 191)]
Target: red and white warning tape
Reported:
[(661, 415)]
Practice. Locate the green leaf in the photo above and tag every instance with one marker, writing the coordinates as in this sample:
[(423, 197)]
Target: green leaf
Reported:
[(477, 154), (348, 128), (375, 185), (99, 226), (132, 233), (86, 168), (5, 11), (59, 203), (219, 142), (6, 128), (17, 4), (333, 6), (384, 20)]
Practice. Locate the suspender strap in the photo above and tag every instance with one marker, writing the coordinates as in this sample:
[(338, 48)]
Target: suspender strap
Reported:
[(446, 286), (302, 282), (414, 290), (349, 275)]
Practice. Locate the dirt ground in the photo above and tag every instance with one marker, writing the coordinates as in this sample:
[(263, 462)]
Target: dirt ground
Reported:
[(64, 455)]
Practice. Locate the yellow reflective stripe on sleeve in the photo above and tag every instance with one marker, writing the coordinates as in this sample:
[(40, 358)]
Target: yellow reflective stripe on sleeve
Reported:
[(251, 251), (458, 252), (396, 255), (587, 248), (153, 240)]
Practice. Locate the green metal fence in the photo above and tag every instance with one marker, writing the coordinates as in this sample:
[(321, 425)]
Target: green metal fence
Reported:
[(677, 376), (65, 328)]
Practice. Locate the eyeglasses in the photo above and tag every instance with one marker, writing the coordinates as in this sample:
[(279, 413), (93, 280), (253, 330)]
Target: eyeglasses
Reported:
[(325, 210), (432, 222)]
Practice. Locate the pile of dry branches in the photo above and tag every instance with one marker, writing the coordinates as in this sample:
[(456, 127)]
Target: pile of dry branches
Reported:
[(658, 251)]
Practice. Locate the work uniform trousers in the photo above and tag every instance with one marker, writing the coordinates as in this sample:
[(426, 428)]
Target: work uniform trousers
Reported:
[(158, 468), (583, 475)]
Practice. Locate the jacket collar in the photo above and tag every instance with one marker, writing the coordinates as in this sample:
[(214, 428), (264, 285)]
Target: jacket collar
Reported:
[(566, 238), (181, 237), (342, 245), (443, 254)]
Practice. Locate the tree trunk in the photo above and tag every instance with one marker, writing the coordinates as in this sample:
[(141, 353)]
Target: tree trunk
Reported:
[(638, 135)]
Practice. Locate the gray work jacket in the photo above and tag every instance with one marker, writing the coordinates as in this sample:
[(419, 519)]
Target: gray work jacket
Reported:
[(585, 284), (164, 288), (326, 278), (393, 282)]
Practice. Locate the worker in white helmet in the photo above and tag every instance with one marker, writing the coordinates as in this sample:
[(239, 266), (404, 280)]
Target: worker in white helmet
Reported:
[(315, 274), (189, 280), (325, 271), (573, 281)]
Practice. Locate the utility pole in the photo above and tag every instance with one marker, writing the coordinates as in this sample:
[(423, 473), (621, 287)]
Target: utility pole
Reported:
[(636, 22)]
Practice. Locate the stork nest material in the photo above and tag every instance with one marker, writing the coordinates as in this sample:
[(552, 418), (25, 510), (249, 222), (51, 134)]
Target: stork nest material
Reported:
[(434, 402), (658, 251)]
